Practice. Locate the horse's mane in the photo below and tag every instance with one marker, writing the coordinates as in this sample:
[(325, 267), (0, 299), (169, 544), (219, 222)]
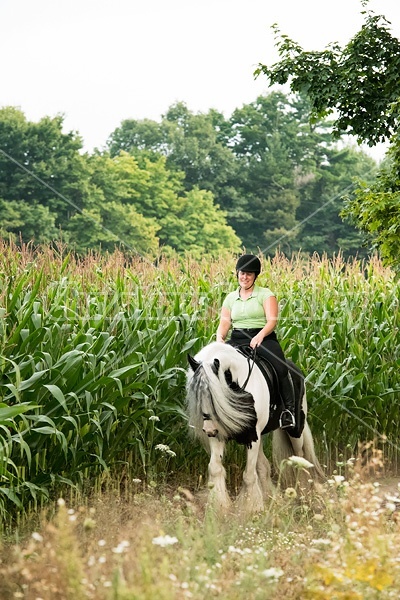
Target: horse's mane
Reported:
[(211, 392)]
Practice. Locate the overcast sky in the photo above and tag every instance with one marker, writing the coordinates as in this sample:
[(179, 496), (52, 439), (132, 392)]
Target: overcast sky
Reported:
[(98, 62)]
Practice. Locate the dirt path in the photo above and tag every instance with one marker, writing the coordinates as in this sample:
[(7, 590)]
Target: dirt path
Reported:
[(389, 486)]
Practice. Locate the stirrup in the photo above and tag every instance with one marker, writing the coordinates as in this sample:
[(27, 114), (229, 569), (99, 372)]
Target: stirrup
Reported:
[(287, 416)]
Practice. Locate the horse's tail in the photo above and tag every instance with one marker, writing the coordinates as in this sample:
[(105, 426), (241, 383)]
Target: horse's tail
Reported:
[(282, 449), (230, 407)]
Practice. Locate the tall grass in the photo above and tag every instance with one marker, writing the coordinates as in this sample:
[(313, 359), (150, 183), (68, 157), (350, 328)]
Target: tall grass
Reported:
[(341, 322), (341, 540), (93, 359)]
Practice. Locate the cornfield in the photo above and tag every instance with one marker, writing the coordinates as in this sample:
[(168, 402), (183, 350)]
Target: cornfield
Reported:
[(94, 354)]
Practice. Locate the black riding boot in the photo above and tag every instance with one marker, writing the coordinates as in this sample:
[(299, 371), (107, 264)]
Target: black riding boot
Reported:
[(287, 419)]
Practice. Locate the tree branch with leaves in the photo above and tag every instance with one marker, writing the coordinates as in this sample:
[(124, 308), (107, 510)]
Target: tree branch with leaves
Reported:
[(360, 86)]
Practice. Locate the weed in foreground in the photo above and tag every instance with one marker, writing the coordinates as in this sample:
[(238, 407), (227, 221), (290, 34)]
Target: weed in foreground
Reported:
[(340, 540)]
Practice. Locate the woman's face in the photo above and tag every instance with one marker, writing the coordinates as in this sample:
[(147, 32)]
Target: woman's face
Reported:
[(246, 279)]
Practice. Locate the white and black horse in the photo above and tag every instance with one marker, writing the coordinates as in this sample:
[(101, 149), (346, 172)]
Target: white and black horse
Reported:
[(228, 399)]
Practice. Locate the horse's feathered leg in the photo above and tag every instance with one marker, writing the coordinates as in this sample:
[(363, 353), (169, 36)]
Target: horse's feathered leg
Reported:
[(309, 454), (250, 497), (282, 450), (283, 447), (297, 445), (219, 497), (264, 474)]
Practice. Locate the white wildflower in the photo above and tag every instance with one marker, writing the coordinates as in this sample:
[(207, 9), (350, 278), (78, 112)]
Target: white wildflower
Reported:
[(91, 561), (391, 498), (321, 542), (272, 573), (89, 523), (338, 479), (165, 449), (290, 493), (154, 418), (164, 540), (37, 537), (234, 550), (390, 507), (121, 548), (299, 462)]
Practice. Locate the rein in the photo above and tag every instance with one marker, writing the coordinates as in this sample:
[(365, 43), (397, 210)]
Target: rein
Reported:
[(250, 357)]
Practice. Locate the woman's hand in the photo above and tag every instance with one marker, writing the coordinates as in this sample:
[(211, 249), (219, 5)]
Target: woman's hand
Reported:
[(256, 340)]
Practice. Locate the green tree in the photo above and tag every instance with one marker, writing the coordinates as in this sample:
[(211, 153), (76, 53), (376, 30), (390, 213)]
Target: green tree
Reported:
[(359, 82), (133, 135), (41, 164), (113, 225), (145, 184), (360, 85), (44, 178), (261, 166), (322, 229), (199, 149), (375, 209), (267, 142), (195, 145), (203, 227), (49, 189), (183, 221), (25, 221)]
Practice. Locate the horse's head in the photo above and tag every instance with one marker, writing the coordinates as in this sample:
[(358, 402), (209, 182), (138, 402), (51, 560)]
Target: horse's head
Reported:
[(195, 364), (209, 426)]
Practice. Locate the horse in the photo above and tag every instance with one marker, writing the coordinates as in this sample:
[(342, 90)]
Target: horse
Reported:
[(228, 398)]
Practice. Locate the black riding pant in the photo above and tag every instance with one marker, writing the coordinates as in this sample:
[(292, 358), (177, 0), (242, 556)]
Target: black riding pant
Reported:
[(269, 349)]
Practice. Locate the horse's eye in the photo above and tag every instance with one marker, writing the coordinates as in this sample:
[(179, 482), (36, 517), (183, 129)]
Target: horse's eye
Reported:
[(206, 417), (228, 377)]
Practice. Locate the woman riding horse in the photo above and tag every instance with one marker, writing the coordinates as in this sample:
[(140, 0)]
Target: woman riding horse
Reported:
[(253, 312)]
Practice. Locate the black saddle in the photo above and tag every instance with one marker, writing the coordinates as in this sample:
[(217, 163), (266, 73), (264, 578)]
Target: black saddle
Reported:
[(276, 402)]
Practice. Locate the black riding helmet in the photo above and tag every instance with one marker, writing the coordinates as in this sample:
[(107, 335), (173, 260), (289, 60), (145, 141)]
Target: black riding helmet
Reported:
[(249, 264)]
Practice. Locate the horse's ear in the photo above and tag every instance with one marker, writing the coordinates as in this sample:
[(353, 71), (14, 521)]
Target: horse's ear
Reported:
[(193, 362)]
